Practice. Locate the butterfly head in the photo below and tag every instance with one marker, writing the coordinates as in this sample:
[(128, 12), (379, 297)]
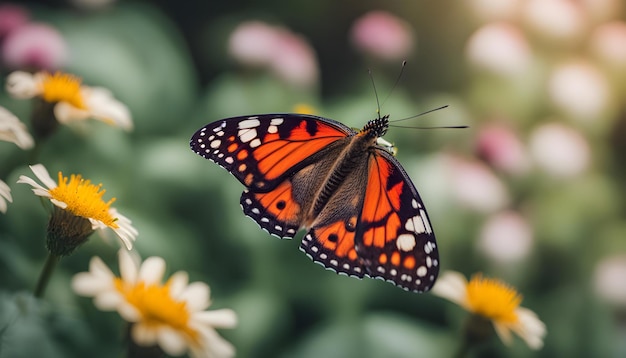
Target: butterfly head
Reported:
[(376, 128)]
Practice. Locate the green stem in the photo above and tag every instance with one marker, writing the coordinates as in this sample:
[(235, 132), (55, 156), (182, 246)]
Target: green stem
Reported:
[(45, 275)]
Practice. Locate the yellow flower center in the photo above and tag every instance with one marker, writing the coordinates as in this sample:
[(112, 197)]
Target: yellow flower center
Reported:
[(62, 87), (157, 307), (493, 299), (84, 199)]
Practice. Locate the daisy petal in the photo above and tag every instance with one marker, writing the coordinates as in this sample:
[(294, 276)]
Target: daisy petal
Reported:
[(22, 85), (128, 269), (196, 295), (451, 286), (143, 335), (42, 174), (223, 318), (152, 270), (171, 341)]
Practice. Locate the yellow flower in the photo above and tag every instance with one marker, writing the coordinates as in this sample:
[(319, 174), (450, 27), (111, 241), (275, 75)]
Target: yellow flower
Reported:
[(72, 101), (495, 301), (77, 197), (13, 130), (171, 314)]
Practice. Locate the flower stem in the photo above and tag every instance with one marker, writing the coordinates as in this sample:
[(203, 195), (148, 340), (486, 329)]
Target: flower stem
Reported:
[(45, 275)]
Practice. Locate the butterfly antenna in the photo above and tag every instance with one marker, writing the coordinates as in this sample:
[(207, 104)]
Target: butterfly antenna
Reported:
[(419, 115), (395, 84), (369, 71)]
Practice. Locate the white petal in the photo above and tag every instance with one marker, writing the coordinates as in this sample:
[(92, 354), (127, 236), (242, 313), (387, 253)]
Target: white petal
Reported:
[(104, 107), (196, 295), (213, 345), (452, 286), (223, 318), (178, 282), (128, 312), (5, 195), (128, 268), (171, 341), (56, 202), (22, 85), (99, 268), (152, 270), (87, 284), (125, 231), (503, 332), (42, 174), (143, 335), (13, 130), (531, 329), (66, 113), (108, 301)]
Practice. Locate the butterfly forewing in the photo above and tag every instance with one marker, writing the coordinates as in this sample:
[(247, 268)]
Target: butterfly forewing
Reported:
[(261, 151)]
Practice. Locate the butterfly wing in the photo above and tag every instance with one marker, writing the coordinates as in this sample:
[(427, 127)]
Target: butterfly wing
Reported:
[(380, 230), (262, 150), (394, 238)]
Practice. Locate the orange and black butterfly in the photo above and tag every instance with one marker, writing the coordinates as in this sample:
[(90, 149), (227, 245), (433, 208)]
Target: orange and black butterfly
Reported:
[(363, 215)]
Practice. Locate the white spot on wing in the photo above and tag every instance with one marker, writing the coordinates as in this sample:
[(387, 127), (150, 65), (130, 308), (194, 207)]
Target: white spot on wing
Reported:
[(249, 123), (425, 221), (276, 121), (405, 242), (421, 271), (255, 143), (247, 135), (216, 143)]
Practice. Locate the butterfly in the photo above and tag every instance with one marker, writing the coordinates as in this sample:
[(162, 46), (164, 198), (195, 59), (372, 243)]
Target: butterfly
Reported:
[(363, 214)]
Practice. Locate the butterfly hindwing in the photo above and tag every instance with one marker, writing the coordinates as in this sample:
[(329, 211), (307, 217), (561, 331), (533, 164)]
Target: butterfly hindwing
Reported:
[(394, 238), (261, 151), (276, 211)]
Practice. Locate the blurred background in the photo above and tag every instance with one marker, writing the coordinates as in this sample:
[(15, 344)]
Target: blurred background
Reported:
[(532, 193)]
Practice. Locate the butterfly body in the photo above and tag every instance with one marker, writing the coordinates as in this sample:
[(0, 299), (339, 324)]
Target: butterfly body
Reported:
[(363, 214)]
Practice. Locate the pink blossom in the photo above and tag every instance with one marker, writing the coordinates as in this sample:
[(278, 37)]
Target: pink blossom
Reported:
[(500, 146), (287, 55), (608, 42), (11, 17), (609, 281), (35, 45), (383, 35), (506, 237), (475, 186)]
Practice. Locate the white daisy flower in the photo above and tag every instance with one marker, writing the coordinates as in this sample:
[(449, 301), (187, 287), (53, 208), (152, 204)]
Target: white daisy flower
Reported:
[(73, 101), (495, 301), (171, 314), (83, 199)]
